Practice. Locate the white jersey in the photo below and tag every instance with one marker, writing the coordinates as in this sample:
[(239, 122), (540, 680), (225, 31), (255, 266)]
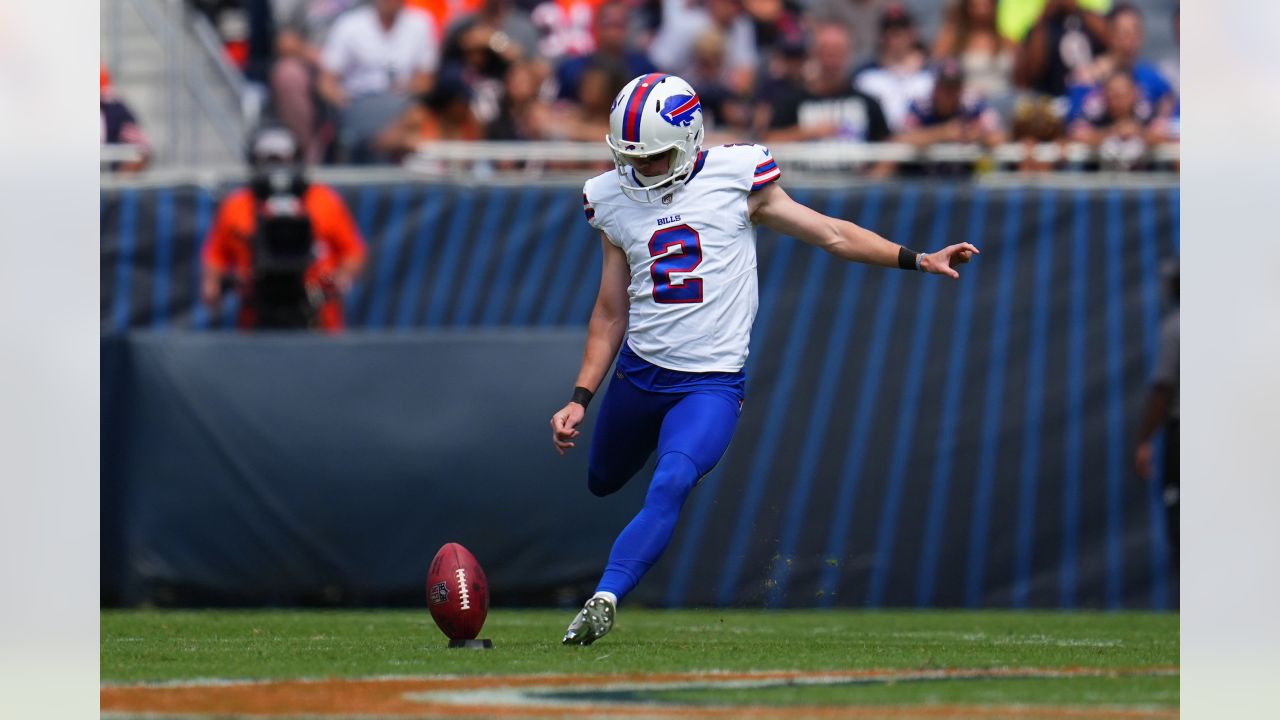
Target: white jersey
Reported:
[(693, 286)]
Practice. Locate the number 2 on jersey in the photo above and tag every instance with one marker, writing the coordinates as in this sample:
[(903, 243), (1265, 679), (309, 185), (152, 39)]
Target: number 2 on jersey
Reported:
[(681, 290)]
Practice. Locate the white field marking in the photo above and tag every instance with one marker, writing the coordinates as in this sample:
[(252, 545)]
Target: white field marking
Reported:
[(1055, 642), (713, 677), (545, 696), (311, 679), (1043, 640)]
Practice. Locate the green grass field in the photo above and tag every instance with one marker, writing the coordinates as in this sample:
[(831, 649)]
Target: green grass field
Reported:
[(1136, 651)]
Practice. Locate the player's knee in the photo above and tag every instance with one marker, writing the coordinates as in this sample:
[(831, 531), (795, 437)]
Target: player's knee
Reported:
[(673, 479), (601, 482)]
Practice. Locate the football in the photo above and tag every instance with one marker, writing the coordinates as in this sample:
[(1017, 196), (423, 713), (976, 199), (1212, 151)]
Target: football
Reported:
[(457, 592)]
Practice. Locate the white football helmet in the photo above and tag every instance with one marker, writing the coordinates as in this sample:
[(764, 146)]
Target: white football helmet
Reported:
[(653, 114)]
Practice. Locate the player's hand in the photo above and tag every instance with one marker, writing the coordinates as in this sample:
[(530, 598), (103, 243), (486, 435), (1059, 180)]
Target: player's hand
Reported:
[(564, 426), (945, 260), (1143, 460)]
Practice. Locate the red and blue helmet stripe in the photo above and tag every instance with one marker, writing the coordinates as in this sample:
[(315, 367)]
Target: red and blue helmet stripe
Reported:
[(639, 95)]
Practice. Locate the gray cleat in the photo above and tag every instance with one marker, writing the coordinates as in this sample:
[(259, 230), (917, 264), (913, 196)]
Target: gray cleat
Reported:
[(593, 621)]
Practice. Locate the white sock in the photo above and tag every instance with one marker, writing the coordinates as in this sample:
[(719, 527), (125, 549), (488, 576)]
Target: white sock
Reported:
[(607, 596)]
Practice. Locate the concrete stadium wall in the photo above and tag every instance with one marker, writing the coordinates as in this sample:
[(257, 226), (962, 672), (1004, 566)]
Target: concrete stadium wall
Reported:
[(907, 440)]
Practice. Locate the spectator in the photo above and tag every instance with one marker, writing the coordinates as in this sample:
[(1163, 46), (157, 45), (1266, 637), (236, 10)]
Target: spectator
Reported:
[(683, 22), (587, 119), (951, 115), (1036, 120), (304, 27), (969, 33), (612, 26), (444, 113), (1060, 48), (1169, 127), (119, 126), (858, 17), (564, 27), (512, 36), (1169, 66), (1124, 27), (725, 115), (772, 21), (1163, 411), (474, 56), (783, 83), (288, 246), (522, 114), (376, 58), (230, 20), (1120, 127), (444, 13), (1015, 18), (830, 107), (898, 76)]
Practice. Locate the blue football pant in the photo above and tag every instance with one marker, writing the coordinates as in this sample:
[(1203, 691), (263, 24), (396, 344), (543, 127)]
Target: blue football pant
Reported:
[(690, 432)]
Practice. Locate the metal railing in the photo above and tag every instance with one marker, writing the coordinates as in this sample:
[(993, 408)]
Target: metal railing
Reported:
[(809, 154), (219, 177), (193, 99), (120, 153), (227, 75)]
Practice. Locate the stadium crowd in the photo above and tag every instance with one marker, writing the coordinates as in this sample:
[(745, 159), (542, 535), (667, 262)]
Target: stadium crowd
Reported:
[(368, 82)]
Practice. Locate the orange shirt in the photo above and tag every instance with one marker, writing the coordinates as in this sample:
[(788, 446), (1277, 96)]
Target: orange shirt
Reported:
[(444, 12), (228, 247)]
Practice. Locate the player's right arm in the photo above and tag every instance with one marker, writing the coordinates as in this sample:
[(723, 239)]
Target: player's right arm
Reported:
[(604, 336)]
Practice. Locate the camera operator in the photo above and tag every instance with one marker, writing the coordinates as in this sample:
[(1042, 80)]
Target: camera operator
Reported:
[(288, 246)]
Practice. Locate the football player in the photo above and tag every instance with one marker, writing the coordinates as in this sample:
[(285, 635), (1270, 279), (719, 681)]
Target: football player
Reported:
[(678, 295)]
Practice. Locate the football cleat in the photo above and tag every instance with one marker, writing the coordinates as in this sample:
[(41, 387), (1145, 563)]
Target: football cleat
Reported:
[(592, 623)]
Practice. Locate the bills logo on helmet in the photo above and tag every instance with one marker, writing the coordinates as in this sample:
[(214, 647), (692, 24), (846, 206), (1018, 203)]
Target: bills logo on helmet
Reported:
[(679, 109)]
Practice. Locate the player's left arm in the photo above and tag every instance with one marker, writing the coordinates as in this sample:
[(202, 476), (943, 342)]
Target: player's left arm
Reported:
[(772, 207)]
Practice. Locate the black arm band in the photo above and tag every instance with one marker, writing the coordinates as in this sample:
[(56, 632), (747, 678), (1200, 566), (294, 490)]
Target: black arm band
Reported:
[(582, 396), (907, 259)]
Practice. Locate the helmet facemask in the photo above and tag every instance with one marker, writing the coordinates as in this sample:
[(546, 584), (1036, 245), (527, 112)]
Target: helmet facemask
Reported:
[(635, 186)]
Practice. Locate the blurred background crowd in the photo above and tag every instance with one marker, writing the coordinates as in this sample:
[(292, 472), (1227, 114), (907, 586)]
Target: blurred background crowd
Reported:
[(369, 82)]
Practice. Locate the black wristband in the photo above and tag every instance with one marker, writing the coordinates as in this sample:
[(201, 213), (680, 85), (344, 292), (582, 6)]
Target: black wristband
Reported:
[(908, 259), (582, 396)]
